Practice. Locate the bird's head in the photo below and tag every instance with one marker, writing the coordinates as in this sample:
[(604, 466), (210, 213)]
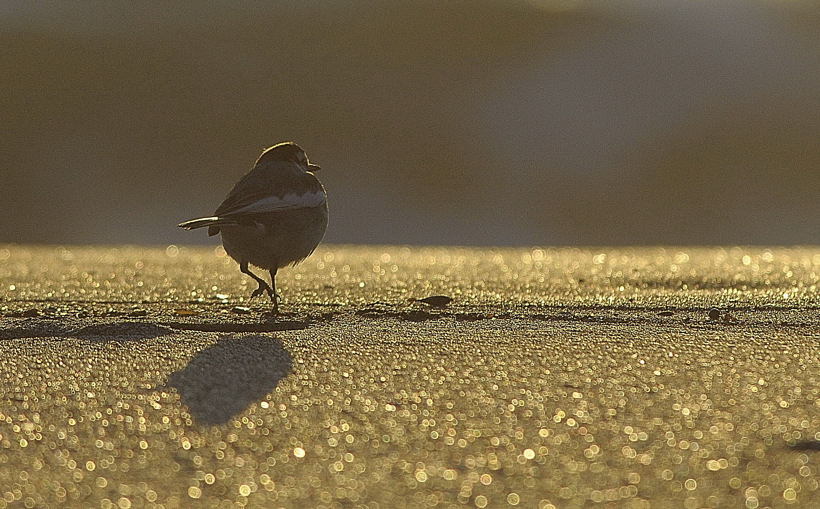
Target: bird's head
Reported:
[(287, 152)]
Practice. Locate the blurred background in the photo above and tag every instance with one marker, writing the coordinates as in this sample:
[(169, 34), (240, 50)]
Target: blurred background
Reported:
[(460, 122)]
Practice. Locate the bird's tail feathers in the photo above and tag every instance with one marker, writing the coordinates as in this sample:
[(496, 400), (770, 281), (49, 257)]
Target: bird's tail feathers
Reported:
[(206, 221)]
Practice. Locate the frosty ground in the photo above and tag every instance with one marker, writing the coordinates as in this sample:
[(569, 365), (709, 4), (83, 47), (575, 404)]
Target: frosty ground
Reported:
[(662, 377)]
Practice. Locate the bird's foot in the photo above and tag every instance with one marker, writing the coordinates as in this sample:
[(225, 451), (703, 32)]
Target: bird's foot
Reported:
[(262, 288)]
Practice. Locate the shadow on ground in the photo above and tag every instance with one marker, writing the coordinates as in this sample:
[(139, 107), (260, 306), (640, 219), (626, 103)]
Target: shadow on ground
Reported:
[(224, 379)]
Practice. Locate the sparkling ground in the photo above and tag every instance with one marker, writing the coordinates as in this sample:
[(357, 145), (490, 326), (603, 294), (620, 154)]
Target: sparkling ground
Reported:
[(678, 377)]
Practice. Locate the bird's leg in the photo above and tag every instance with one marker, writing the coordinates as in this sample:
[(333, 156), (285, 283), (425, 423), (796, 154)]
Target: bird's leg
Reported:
[(263, 285), (273, 295)]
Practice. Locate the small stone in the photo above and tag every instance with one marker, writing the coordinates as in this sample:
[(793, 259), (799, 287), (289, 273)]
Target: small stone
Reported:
[(30, 313), (242, 310), (138, 312), (714, 314), (437, 301), (665, 313)]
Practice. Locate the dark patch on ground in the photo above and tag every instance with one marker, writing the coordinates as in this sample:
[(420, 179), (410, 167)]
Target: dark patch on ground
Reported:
[(109, 331), (146, 322), (33, 328), (806, 445), (123, 331)]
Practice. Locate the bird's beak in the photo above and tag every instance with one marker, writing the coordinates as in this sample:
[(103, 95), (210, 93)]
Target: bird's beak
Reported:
[(314, 167)]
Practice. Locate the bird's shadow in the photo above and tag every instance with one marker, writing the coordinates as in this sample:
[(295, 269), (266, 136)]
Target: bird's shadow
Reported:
[(224, 379)]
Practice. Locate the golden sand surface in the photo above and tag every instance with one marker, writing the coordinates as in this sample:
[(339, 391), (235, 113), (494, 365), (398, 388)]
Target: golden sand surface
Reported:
[(599, 377)]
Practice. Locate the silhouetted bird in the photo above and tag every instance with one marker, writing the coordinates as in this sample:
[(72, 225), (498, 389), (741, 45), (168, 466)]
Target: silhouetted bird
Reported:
[(274, 216)]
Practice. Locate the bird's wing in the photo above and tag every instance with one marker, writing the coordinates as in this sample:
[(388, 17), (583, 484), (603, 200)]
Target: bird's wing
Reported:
[(260, 192), (262, 202)]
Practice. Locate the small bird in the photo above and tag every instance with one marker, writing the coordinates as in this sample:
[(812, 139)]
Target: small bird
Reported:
[(274, 216)]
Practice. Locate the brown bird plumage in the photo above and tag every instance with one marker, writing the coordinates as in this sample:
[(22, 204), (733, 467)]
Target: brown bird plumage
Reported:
[(274, 216)]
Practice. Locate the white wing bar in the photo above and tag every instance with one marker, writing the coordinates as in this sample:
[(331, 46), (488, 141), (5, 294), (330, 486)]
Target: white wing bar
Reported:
[(275, 203)]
